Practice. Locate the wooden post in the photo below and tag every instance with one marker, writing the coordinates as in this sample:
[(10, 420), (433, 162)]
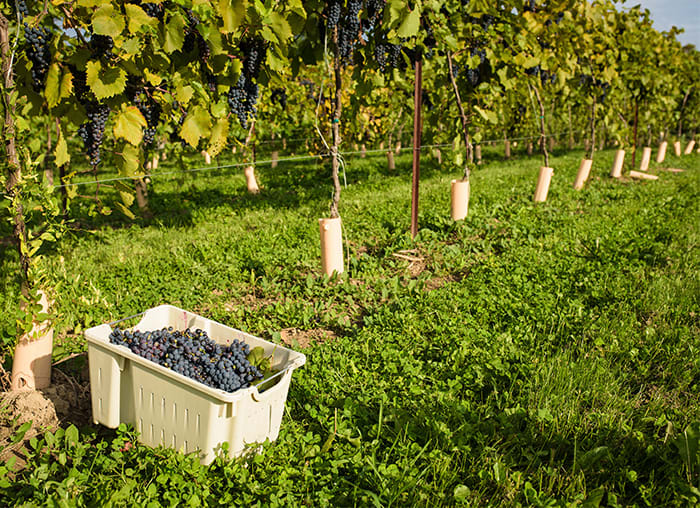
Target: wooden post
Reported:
[(417, 100)]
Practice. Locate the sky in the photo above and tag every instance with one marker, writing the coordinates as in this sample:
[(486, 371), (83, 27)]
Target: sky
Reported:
[(667, 13)]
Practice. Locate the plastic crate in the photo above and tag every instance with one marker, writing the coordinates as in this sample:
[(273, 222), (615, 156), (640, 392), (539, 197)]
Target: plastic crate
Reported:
[(172, 410)]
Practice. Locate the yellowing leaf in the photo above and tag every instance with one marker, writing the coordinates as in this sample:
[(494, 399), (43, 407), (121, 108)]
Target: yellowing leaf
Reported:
[(66, 84), (197, 125), (219, 134), (105, 82), (108, 21), (61, 155), (487, 115), (52, 90), (232, 12), (129, 125), (183, 94), (138, 18), (174, 34)]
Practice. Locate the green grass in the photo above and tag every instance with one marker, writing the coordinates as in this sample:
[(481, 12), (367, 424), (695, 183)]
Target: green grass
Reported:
[(540, 355)]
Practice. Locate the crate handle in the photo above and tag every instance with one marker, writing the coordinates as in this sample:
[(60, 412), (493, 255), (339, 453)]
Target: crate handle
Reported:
[(259, 396), (124, 319)]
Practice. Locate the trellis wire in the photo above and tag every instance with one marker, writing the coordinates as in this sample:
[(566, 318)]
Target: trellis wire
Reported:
[(285, 159)]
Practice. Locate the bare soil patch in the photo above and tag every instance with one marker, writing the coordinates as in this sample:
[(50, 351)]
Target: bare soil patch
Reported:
[(306, 338)]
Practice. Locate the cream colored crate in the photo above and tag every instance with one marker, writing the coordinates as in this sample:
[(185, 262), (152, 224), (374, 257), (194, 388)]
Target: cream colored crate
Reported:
[(169, 409)]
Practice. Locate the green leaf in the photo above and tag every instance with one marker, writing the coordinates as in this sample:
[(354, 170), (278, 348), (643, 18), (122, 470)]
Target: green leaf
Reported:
[(461, 493), (219, 134), (53, 90), (20, 432), (174, 35), (232, 12), (592, 457), (138, 18), (129, 125), (72, 437), (594, 498), (107, 82), (61, 155), (410, 25), (108, 21), (197, 125), (280, 26)]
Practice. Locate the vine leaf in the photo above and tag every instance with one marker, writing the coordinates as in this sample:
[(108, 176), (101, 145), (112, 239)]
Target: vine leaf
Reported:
[(129, 125), (197, 125), (108, 21), (174, 34), (410, 24), (61, 155), (487, 115), (59, 85), (183, 93), (138, 18), (232, 13), (105, 82), (127, 159), (280, 26)]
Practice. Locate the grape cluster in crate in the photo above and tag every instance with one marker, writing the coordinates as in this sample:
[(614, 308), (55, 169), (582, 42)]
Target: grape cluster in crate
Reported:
[(193, 354)]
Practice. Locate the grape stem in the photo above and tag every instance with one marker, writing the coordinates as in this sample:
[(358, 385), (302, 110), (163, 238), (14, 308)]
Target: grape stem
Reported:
[(462, 116)]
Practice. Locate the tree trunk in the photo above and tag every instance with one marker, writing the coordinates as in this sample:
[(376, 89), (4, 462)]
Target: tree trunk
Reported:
[(142, 197), (13, 170), (591, 140), (530, 148), (506, 150), (680, 115)]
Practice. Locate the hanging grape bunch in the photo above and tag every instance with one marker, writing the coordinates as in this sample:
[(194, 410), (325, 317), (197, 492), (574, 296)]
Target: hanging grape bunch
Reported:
[(375, 12), (332, 11), (150, 110), (80, 87), (22, 9), (243, 97), (388, 56), (152, 10), (279, 96), (92, 131), (37, 50), (101, 46), (474, 75), (349, 30)]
